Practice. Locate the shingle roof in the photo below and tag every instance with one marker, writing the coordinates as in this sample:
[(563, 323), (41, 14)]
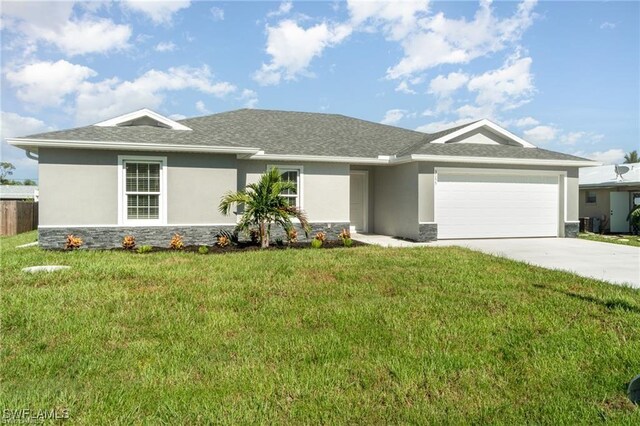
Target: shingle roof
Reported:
[(299, 133)]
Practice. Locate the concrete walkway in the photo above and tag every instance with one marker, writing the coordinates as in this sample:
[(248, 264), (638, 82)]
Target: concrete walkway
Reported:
[(614, 263)]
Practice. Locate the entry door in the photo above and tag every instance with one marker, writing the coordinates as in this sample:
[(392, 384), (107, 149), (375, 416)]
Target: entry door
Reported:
[(358, 201), (619, 211)]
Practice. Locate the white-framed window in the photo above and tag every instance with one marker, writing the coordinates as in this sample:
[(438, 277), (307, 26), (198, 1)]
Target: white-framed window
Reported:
[(142, 186), (292, 174), (591, 197)]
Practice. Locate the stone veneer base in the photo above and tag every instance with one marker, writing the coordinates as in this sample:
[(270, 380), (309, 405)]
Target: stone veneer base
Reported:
[(111, 236), (427, 232), (571, 230)]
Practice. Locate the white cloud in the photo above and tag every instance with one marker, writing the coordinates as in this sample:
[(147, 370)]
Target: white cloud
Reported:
[(47, 83), (438, 40), (540, 134), (573, 138), (250, 97), (525, 122), (443, 86), (177, 116), (52, 23), (284, 8), (397, 19), (611, 156), (165, 46), (13, 125), (202, 108), (160, 12), (509, 84), (606, 25), (404, 87), (393, 116), (112, 97), (292, 48), (217, 13)]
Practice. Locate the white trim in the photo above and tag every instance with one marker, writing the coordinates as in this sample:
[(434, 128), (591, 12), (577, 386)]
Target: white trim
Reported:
[(472, 171), (166, 225), (64, 143), (495, 160), (300, 170), (144, 112), (162, 215), (365, 208), (427, 223), (317, 158), (484, 123)]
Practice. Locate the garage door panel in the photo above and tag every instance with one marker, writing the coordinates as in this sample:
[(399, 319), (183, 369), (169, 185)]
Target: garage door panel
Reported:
[(486, 205)]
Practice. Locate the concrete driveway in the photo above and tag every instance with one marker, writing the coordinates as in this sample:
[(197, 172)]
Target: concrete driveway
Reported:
[(614, 263)]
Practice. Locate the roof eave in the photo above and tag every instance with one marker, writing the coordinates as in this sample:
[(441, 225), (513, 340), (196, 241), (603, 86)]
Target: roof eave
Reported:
[(504, 161)]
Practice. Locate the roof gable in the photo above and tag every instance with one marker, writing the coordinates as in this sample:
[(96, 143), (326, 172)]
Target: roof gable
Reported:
[(501, 132), (142, 117)]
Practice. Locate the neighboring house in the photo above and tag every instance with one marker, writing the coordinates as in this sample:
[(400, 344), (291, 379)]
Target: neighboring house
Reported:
[(608, 193), (147, 175), (18, 192)]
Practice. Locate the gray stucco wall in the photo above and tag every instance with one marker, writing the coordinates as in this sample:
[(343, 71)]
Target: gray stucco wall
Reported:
[(80, 187), (396, 201), (325, 187)]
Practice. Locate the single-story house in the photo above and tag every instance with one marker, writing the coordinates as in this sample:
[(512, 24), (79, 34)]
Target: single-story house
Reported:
[(18, 192), (608, 193), (150, 176)]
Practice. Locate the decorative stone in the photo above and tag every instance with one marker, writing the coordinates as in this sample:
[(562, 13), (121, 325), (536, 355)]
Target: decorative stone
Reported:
[(427, 232), (571, 229), (623, 240), (45, 268)]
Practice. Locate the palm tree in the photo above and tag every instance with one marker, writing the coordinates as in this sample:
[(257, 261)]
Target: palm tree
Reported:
[(264, 205), (631, 157)]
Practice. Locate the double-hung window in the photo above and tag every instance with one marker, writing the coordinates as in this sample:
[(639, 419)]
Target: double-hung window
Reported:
[(292, 174), (143, 189)]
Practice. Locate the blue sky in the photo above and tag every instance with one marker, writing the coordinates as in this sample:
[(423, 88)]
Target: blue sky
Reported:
[(563, 75)]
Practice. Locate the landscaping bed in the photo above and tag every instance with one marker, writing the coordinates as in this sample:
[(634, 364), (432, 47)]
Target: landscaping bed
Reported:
[(248, 246), (627, 240)]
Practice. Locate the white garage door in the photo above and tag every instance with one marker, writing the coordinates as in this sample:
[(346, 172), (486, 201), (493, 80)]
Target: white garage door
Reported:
[(484, 205)]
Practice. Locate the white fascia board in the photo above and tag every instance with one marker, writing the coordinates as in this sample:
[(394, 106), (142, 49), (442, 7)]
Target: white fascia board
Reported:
[(484, 123), (28, 144), (494, 160), (145, 112), (317, 158)]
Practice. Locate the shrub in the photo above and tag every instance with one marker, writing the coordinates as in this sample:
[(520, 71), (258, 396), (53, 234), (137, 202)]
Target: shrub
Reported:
[(223, 241), (231, 236), (321, 236), (144, 249), (129, 242), (73, 242), (345, 234), (292, 235), (279, 242), (176, 242), (203, 249), (316, 243), (347, 242)]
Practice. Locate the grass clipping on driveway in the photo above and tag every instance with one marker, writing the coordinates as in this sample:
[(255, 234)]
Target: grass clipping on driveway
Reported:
[(360, 335)]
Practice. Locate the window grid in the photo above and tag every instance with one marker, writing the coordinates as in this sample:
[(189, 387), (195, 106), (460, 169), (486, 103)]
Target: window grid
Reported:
[(291, 195), (142, 189)]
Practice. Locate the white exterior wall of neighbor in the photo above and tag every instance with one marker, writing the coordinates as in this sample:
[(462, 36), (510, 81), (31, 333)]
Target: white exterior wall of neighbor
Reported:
[(396, 200), (80, 187), (325, 186)]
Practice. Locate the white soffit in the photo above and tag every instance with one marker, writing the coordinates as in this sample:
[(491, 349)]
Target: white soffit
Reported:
[(125, 118)]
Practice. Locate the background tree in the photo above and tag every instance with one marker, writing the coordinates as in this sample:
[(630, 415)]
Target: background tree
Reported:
[(264, 205), (6, 169), (29, 182), (631, 157)]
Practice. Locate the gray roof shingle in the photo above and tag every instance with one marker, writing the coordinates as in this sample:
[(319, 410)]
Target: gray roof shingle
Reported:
[(299, 133)]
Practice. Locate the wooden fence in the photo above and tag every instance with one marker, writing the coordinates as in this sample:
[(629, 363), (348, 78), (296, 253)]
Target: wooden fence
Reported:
[(18, 216)]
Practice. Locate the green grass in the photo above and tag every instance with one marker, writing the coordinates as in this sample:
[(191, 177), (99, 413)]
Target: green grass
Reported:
[(625, 240), (359, 335)]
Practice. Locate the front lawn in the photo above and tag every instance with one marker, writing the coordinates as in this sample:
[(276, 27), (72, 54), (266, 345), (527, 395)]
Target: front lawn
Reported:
[(626, 240), (359, 335)]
